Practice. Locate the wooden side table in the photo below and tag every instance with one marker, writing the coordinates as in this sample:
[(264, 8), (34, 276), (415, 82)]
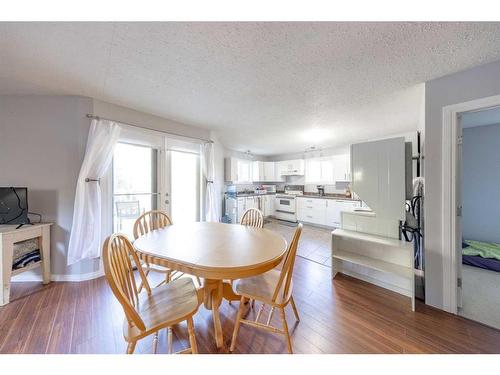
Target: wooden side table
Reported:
[(9, 235)]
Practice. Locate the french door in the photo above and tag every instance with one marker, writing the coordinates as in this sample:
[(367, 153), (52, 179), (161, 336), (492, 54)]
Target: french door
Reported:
[(151, 171), (184, 186), (135, 184)]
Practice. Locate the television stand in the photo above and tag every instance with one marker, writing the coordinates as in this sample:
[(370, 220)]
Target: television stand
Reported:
[(28, 223), (8, 237)]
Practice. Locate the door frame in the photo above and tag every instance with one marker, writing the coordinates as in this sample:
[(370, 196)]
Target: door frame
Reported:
[(450, 199)]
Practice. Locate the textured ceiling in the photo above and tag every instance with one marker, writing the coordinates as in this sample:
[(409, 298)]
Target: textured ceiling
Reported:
[(260, 85)]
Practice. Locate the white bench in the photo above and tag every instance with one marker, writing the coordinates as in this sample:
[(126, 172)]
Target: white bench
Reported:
[(382, 261)]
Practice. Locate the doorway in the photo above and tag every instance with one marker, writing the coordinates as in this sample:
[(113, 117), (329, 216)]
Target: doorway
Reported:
[(479, 268), (466, 207)]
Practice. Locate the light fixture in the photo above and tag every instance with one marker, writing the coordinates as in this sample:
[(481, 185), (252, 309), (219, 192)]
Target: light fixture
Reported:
[(315, 134)]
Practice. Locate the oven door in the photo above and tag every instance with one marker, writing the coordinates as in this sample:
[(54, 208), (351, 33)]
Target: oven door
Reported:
[(285, 204)]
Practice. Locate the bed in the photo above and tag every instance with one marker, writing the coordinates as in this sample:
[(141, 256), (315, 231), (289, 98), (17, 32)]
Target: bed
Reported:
[(479, 254)]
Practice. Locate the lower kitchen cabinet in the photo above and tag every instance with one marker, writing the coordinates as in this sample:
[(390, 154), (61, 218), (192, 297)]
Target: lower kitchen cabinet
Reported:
[(321, 211)]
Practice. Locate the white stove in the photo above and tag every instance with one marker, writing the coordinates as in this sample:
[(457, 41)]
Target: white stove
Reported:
[(285, 203)]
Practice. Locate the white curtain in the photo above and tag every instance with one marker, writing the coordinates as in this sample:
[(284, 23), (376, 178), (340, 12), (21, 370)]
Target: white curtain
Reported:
[(85, 239), (209, 174)]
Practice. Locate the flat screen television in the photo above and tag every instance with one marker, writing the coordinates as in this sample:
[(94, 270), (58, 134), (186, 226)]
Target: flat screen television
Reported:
[(14, 205)]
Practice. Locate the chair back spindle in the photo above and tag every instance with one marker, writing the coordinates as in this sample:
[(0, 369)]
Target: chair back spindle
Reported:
[(149, 221), (252, 218)]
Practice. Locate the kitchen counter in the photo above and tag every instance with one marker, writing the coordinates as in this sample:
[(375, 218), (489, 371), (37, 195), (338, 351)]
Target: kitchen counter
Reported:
[(328, 196), (238, 195)]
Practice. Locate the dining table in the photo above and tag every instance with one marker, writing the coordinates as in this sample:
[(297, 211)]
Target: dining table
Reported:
[(217, 253)]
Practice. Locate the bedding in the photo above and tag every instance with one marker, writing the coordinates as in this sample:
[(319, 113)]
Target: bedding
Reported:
[(484, 255), (480, 262), (483, 249)]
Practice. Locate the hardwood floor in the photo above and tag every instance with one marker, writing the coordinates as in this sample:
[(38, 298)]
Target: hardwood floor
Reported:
[(343, 316)]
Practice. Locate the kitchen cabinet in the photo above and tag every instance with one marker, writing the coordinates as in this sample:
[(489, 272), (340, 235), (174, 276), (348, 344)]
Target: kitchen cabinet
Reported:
[(238, 170), (265, 171), (258, 171), (312, 210), (335, 207), (342, 167), (270, 172), (291, 167), (269, 205), (322, 211), (319, 171)]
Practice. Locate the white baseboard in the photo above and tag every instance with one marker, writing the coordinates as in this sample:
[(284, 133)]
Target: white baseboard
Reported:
[(29, 277)]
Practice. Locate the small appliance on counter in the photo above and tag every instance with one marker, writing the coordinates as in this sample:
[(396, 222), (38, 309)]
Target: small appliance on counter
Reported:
[(321, 190)]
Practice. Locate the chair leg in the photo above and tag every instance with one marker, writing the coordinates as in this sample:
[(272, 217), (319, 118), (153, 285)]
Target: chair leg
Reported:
[(253, 304), (192, 337), (155, 342), (169, 340), (285, 329), (259, 313), (295, 312), (237, 323), (270, 316), (146, 273), (131, 347)]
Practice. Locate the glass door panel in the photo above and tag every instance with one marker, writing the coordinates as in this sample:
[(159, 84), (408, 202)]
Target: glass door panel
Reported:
[(135, 184), (184, 186)]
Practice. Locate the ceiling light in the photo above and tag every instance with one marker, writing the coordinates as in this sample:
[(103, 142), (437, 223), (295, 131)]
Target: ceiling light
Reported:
[(315, 135)]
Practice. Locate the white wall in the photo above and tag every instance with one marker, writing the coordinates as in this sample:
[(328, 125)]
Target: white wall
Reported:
[(456, 88), (481, 183)]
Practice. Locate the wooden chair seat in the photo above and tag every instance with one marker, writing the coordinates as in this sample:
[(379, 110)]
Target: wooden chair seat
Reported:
[(263, 287), (167, 305)]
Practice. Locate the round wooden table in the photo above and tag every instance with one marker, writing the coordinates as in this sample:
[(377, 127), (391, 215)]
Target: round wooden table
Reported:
[(214, 252)]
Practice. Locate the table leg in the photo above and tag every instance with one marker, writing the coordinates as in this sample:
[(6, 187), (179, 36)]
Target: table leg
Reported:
[(6, 271), (45, 254), (212, 293), (212, 298)]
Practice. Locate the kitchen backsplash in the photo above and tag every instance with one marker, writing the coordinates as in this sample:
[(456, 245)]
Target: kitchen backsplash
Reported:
[(338, 188)]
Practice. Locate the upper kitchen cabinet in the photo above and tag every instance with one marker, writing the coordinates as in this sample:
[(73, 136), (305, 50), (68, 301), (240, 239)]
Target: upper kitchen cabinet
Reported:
[(266, 171), (238, 170), (342, 167), (291, 167)]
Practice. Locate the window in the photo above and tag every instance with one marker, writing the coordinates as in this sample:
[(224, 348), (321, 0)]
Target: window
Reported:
[(319, 171)]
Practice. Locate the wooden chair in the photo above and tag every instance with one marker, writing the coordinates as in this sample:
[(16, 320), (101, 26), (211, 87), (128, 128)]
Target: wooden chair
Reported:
[(273, 288), (252, 218), (144, 224), (147, 313)]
